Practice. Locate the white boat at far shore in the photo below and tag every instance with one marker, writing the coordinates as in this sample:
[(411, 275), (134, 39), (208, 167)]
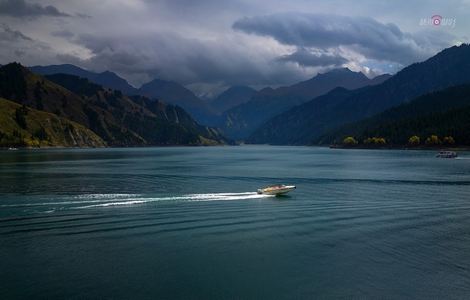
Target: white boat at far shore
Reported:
[(447, 154)]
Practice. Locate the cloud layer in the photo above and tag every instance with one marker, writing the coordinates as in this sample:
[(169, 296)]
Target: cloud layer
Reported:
[(364, 35), (21, 8), (189, 61), (307, 58), (208, 44), (9, 35)]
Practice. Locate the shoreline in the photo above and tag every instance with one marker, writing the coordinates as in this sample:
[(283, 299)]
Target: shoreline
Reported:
[(429, 148), (421, 148), (111, 147)]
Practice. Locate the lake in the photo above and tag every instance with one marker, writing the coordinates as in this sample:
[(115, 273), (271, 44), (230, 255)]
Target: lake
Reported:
[(186, 223)]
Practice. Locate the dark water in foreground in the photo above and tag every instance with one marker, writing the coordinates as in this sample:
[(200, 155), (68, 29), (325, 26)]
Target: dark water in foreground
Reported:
[(184, 223)]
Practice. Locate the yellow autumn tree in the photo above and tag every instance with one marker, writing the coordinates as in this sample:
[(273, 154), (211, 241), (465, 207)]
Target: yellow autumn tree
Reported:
[(349, 141), (414, 140), (448, 140), (433, 140), (374, 141)]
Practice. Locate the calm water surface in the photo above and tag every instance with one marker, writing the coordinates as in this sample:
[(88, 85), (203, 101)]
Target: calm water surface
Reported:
[(185, 223)]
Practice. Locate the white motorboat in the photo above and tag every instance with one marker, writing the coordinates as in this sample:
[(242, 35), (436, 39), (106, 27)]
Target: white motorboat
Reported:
[(278, 189), (447, 154)]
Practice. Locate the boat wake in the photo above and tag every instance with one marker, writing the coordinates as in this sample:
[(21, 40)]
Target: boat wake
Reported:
[(183, 198), (110, 200)]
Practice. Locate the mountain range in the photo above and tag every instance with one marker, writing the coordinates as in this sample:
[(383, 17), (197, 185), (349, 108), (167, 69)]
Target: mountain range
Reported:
[(119, 120), (305, 123), (240, 121), (167, 91), (237, 111), (233, 96), (174, 93), (106, 79)]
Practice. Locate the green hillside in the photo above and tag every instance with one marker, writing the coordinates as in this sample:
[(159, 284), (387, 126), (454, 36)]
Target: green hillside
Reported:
[(444, 113), (21, 126), (116, 118)]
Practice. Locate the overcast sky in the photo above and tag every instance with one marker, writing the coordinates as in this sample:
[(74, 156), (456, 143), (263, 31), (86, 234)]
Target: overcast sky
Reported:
[(208, 45)]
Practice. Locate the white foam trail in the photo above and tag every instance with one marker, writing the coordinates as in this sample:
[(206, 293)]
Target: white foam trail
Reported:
[(105, 196), (226, 196), (106, 200), (99, 198), (188, 198), (114, 204)]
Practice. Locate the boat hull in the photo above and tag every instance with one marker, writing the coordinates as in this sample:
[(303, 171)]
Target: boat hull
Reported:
[(276, 190)]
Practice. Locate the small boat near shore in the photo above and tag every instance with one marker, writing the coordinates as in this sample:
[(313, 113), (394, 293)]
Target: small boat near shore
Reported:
[(447, 154), (278, 189)]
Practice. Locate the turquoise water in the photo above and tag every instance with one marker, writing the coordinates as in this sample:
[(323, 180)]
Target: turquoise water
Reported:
[(185, 223)]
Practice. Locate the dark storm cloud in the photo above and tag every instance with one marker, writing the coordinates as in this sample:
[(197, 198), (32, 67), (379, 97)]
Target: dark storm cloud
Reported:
[(306, 58), (17, 46), (21, 8), (11, 35), (365, 35), (170, 56)]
